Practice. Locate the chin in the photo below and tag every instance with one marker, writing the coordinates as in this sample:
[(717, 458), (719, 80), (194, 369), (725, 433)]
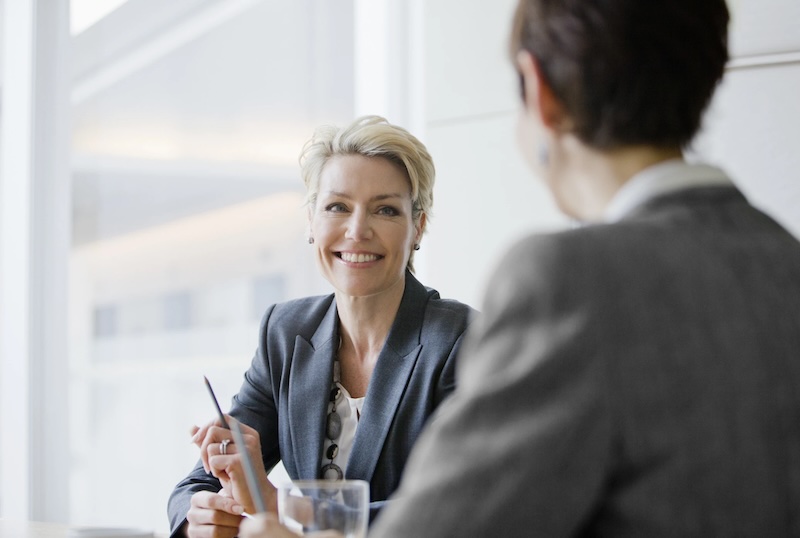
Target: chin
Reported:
[(355, 287)]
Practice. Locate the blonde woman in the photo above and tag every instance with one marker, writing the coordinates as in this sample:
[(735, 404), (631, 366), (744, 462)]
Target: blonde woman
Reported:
[(341, 385)]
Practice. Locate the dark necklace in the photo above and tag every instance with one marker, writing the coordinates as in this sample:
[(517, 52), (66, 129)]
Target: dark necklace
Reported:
[(333, 426)]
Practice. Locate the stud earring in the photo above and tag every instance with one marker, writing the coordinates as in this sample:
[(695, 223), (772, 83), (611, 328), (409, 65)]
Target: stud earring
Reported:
[(416, 246), (310, 240)]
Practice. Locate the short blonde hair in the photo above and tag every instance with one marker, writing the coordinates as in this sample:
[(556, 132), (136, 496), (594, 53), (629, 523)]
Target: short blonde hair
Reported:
[(372, 136)]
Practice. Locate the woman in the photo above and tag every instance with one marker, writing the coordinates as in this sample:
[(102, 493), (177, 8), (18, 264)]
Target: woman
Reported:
[(643, 378), (636, 376), (340, 385)]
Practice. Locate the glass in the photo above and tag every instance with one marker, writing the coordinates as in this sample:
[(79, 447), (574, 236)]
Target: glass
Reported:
[(309, 506)]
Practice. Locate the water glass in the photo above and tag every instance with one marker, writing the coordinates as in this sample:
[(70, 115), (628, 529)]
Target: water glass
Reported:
[(309, 506)]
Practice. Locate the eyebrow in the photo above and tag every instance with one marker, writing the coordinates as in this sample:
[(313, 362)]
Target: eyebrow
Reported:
[(377, 198)]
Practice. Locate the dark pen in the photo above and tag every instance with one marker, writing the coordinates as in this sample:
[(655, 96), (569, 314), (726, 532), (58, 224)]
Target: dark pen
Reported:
[(216, 404), (238, 438)]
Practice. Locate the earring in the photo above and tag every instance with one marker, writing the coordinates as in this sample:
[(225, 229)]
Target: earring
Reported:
[(543, 154), (310, 240), (416, 246)]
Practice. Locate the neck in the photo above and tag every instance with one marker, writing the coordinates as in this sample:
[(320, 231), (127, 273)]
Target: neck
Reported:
[(588, 179), (364, 322)]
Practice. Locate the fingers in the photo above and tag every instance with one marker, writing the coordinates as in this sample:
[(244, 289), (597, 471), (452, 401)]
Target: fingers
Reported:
[(198, 433), (226, 447), (208, 500), (228, 469), (263, 526), (223, 449), (208, 439), (215, 441), (211, 514), (224, 466)]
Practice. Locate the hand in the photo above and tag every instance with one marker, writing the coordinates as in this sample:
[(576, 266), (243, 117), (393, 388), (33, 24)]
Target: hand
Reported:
[(268, 526), (208, 437), (264, 526), (228, 467), (213, 515)]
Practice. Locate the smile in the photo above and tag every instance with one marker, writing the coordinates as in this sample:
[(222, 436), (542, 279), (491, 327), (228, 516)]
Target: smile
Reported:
[(352, 257)]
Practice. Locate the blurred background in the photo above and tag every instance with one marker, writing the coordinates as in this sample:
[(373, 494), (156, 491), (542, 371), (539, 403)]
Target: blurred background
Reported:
[(151, 204)]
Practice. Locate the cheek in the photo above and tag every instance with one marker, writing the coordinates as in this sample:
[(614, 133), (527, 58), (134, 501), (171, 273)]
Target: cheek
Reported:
[(320, 228)]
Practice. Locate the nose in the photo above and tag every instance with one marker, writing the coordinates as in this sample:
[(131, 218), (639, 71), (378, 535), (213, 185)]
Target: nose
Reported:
[(359, 227)]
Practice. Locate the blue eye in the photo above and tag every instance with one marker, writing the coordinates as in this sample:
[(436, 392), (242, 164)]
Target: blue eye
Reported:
[(388, 211), (335, 207)]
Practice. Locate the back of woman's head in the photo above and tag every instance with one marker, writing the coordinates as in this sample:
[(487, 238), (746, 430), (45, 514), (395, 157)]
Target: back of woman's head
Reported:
[(371, 136), (628, 72)]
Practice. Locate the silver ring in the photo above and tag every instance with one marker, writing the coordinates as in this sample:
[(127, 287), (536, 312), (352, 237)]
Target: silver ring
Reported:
[(223, 446)]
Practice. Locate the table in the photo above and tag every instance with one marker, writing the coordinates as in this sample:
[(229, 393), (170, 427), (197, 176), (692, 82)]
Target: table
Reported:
[(32, 529), (25, 529)]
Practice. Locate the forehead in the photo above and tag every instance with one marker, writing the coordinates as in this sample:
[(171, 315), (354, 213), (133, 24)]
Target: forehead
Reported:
[(359, 174)]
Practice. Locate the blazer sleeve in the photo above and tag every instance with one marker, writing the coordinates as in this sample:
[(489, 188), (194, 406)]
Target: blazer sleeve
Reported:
[(529, 419), (253, 405)]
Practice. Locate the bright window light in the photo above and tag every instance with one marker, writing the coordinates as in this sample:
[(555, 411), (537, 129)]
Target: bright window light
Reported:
[(84, 13)]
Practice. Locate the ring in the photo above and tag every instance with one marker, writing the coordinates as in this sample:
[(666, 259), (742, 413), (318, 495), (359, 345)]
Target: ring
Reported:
[(223, 446)]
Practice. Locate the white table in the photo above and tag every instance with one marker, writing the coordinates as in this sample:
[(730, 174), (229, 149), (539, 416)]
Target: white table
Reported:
[(30, 529)]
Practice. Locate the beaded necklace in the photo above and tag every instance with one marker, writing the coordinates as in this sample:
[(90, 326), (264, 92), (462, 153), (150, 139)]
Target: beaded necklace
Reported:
[(333, 426)]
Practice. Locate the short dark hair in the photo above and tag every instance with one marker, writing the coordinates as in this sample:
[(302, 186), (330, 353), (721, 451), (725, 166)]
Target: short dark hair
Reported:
[(628, 72)]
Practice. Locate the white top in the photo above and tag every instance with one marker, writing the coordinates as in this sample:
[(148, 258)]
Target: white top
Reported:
[(662, 178), (349, 410)]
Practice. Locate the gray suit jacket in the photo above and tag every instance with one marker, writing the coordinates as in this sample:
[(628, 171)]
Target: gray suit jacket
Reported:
[(297, 343), (640, 378)]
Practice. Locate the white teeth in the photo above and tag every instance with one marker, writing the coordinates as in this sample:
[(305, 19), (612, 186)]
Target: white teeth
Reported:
[(358, 258)]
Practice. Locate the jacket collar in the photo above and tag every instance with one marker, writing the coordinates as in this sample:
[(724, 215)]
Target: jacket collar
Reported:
[(662, 179), (389, 381), (309, 385), (310, 382)]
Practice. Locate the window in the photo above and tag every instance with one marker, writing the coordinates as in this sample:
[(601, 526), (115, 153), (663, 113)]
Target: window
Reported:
[(267, 290), (188, 117)]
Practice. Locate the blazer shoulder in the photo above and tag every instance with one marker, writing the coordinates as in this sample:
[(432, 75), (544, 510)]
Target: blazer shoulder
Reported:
[(597, 245), (301, 316), (565, 267), (446, 315)]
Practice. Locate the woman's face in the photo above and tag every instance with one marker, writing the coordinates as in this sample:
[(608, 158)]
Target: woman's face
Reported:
[(362, 224)]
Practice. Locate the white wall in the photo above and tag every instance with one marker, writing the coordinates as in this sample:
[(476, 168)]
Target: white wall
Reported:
[(753, 127), (485, 196)]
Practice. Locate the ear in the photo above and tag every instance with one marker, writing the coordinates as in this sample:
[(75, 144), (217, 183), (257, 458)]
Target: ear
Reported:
[(537, 94), (420, 226)]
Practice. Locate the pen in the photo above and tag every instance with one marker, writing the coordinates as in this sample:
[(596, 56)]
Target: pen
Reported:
[(238, 438), (216, 404)]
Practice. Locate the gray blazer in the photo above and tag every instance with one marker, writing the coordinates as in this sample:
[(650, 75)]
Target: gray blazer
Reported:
[(640, 378), (297, 343)]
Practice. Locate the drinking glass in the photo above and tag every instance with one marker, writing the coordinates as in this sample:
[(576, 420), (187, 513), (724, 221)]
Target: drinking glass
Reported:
[(309, 506)]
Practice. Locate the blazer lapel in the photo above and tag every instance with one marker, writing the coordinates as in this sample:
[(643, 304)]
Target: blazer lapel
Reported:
[(309, 385), (389, 381)]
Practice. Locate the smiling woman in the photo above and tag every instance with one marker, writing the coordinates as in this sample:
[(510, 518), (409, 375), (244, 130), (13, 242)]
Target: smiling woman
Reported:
[(341, 385)]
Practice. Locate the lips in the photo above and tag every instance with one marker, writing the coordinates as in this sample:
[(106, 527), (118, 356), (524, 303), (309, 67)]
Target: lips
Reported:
[(352, 257)]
